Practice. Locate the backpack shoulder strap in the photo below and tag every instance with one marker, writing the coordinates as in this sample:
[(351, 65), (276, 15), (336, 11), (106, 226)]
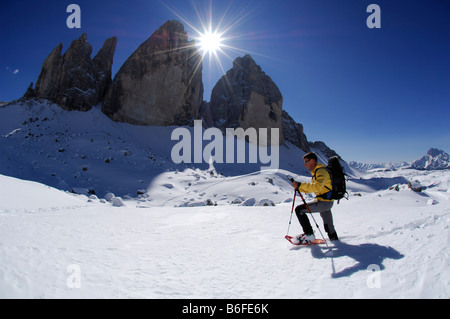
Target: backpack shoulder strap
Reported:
[(325, 168), (329, 173)]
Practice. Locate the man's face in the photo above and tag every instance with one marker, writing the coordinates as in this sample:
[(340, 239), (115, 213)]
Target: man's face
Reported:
[(310, 164)]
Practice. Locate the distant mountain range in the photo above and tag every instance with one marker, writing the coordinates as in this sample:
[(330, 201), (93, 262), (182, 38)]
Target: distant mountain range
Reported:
[(384, 166), (435, 159)]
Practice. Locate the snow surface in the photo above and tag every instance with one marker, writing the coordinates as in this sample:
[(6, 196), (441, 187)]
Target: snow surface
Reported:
[(189, 233)]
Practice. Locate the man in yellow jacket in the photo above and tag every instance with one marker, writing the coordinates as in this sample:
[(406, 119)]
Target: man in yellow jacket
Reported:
[(321, 186)]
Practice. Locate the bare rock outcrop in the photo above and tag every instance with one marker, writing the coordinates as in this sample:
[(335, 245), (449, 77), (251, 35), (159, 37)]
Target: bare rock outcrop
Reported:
[(323, 148), (160, 83), (293, 132), (74, 80), (47, 85), (246, 97), (103, 62)]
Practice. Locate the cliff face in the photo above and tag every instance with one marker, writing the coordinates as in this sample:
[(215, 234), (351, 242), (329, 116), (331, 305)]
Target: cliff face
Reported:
[(73, 80), (160, 83), (293, 132), (246, 97)]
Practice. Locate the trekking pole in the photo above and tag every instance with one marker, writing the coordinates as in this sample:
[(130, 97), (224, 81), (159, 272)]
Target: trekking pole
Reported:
[(292, 210), (307, 208), (309, 211)]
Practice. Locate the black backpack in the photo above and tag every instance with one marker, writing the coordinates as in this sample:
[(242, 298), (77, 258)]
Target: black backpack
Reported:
[(338, 180)]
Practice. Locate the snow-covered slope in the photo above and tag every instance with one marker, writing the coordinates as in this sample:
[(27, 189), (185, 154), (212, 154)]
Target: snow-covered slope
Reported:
[(394, 243), (20, 195), (79, 150), (87, 152), (198, 231)]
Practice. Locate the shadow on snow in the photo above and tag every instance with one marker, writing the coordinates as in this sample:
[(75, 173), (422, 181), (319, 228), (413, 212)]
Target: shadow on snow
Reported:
[(364, 256)]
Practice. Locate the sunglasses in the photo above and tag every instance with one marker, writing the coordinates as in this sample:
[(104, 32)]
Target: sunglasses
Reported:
[(307, 161)]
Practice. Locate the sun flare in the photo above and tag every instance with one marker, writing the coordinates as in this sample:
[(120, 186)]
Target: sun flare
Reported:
[(214, 38), (210, 42)]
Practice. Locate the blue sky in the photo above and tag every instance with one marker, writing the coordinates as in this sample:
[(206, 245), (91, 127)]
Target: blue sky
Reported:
[(373, 95)]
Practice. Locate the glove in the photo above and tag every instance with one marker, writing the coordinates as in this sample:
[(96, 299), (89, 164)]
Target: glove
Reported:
[(296, 185)]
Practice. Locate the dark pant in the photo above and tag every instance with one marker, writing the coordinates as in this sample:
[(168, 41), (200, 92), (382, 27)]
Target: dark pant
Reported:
[(324, 208)]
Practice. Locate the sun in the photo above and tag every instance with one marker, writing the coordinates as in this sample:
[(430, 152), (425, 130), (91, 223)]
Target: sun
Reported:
[(210, 42), (214, 38)]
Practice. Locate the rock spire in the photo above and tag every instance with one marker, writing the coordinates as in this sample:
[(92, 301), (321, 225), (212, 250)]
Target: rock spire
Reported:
[(160, 83)]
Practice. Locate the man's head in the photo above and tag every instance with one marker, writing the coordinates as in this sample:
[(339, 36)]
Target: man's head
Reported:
[(310, 160)]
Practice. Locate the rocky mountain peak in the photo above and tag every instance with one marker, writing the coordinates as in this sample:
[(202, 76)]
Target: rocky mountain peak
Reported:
[(434, 159), (73, 80), (246, 97), (160, 83)]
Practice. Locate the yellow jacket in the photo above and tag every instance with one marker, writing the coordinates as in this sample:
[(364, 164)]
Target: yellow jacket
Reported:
[(320, 183)]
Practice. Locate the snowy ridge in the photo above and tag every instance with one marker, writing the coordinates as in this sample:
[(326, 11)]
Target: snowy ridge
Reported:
[(383, 166), (88, 153), (434, 159)]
